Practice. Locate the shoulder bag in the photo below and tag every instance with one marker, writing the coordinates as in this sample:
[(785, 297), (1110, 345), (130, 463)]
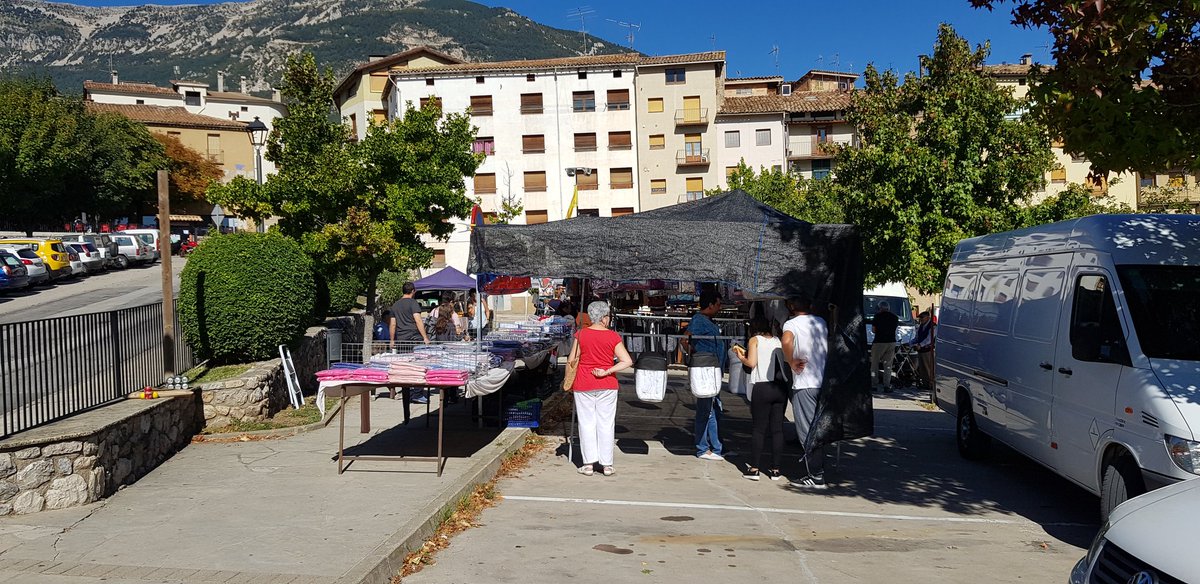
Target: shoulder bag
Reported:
[(572, 366)]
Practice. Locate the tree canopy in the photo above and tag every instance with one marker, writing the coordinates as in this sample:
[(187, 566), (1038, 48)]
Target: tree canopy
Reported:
[(813, 200), (1124, 85), (190, 171)]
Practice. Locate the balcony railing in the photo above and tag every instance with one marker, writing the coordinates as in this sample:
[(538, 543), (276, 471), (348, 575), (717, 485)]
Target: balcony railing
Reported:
[(485, 190), (480, 111), (1178, 198), (621, 185), (692, 157), (620, 146), (617, 106), (691, 117), (531, 109), (816, 147)]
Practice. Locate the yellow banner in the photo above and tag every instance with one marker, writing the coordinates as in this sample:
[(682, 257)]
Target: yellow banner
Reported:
[(574, 203)]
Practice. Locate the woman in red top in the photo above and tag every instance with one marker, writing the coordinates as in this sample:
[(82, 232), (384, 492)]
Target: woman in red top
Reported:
[(595, 387)]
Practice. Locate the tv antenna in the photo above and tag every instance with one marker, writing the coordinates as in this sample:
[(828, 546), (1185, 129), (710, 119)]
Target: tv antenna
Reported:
[(713, 38), (775, 51), (630, 27), (582, 13), (836, 61)]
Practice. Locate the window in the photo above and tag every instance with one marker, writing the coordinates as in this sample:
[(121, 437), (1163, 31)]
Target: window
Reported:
[(777, 168), (585, 142), (695, 188), (1157, 297), (822, 133), (658, 141), (588, 181), (533, 144), (658, 186), (587, 213), (1147, 181), (1058, 175), (214, 148), (994, 301), (379, 116), (191, 98), (622, 211), (762, 137), (378, 82), (618, 99), (616, 74), (583, 74), (429, 81), (1021, 81), (1094, 324), (485, 145), (1077, 157), (535, 217), (583, 101), (479, 80), (620, 140), (729, 170), (1037, 306), (1175, 179), (481, 105), (743, 91), (821, 168), (244, 108), (693, 148), (733, 139), (622, 178), (785, 89), (535, 181), (432, 101), (654, 105), (485, 184), (354, 123), (676, 75), (490, 218), (957, 298), (143, 102), (531, 103)]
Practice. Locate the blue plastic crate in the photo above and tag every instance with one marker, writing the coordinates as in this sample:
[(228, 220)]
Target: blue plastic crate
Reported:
[(523, 414)]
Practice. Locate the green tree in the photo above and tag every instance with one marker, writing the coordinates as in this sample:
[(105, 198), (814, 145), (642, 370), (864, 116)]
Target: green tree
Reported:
[(1124, 87), (123, 161), (943, 157), (1073, 202), (359, 208), (813, 200)]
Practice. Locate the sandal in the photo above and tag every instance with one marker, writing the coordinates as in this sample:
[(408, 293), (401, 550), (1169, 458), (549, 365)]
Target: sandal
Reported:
[(587, 470), (608, 471), (774, 474)]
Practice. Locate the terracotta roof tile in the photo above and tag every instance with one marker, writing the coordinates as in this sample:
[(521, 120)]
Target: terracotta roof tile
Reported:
[(386, 63), (160, 115), (754, 79), (684, 58), (808, 101), (128, 87), (524, 64)]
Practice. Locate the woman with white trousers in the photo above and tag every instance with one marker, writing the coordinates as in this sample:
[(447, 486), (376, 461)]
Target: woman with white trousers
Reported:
[(595, 387)]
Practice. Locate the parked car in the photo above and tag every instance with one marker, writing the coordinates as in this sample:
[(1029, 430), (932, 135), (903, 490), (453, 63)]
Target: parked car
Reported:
[(1147, 539), (12, 272), (89, 255), (1075, 344), (150, 237), (34, 266), (131, 250), (103, 243), (52, 251)]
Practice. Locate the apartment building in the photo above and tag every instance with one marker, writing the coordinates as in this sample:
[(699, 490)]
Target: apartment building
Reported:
[(210, 122), (754, 135), (678, 97), (545, 127), (1069, 168), (359, 96)]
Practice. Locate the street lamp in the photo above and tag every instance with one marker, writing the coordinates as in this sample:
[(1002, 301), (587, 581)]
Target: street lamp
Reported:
[(258, 137)]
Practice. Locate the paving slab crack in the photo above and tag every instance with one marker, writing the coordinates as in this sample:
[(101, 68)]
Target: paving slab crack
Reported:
[(59, 536)]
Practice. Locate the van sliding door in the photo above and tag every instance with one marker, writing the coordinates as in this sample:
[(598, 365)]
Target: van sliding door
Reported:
[(1030, 368)]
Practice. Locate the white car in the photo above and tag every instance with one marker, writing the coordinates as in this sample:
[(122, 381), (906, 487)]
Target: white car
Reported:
[(89, 256), (131, 250), (149, 237), (34, 266), (1147, 540)]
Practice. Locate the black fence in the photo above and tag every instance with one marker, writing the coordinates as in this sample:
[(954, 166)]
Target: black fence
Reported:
[(57, 367)]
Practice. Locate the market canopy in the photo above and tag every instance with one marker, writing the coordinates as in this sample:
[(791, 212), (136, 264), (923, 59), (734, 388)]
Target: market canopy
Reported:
[(447, 278), (730, 238)]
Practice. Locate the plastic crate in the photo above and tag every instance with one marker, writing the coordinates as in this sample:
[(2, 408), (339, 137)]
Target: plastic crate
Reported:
[(523, 414)]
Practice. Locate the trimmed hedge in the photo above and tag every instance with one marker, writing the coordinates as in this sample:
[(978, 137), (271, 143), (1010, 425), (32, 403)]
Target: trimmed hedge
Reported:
[(242, 295), (343, 293)]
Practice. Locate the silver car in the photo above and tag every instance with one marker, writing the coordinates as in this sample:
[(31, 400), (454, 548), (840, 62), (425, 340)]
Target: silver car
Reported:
[(34, 266), (89, 256)]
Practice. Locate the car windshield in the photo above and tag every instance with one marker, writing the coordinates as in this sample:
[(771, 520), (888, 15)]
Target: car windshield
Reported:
[(26, 253), (1164, 303), (899, 306)]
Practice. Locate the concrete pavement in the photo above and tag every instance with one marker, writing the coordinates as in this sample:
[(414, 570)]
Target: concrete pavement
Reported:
[(110, 290), (263, 511)]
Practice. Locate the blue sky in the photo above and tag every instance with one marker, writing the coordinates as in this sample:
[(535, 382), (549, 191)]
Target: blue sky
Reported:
[(845, 35)]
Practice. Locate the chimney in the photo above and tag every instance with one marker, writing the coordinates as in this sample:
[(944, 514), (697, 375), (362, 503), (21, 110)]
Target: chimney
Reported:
[(276, 96), (243, 84), (1027, 59), (114, 76), (220, 81), (373, 58)]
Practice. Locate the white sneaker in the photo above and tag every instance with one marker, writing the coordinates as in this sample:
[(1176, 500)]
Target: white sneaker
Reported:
[(711, 456)]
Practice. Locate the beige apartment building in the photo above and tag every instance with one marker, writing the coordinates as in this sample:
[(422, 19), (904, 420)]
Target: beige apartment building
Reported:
[(678, 97), (360, 96)]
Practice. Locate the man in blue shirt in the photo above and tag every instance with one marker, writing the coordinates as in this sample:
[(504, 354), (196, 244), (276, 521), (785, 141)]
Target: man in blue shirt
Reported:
[(708, 409)]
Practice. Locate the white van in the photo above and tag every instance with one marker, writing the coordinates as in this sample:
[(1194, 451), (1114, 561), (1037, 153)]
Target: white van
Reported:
[(1078, 344), (896, 295)]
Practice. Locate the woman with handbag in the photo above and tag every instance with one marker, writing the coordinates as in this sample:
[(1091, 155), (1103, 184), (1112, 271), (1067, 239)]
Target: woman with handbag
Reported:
[(591, 375), (768, 398)]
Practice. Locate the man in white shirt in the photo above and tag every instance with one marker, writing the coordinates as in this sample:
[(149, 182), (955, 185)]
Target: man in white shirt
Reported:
[(806, 345)]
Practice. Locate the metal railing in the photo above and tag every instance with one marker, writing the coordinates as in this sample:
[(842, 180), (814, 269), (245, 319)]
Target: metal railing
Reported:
[(57, 367), (692, 157), (691, 116)]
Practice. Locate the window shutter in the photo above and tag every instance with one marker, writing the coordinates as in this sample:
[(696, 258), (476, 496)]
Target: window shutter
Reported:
[(535, 217), (622, 178), (531, 103), (620, 140), (535, 182), (618, 99), (481, 105), (588, 182), (695, 185), (533, 144), (485, 184), (585, 142), (658, 141)]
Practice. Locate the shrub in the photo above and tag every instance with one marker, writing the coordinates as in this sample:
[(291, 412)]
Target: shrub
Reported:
[(343, 292), (243, 294), (390, 288)]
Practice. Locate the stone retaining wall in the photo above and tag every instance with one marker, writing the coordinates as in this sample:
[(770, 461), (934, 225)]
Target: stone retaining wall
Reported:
[(89, 456)]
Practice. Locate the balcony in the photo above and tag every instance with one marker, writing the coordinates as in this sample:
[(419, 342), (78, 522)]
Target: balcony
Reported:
[(816, 146), (1180, 199), (691, 117), (621, 185), (617, 106), (692, 157)]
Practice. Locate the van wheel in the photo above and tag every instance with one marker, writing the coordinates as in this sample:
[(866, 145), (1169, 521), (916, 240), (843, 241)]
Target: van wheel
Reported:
[(122, 262), (973, 444), (1122, 481)]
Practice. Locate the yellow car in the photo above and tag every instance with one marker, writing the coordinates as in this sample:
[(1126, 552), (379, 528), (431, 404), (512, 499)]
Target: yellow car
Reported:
[(52, 251)]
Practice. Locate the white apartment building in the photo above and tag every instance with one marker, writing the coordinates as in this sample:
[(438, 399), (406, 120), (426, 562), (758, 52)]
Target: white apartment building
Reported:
[(536, 120), (359, 96)]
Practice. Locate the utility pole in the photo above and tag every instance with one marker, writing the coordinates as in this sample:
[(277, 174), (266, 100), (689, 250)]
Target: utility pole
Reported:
[(168, 291)]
